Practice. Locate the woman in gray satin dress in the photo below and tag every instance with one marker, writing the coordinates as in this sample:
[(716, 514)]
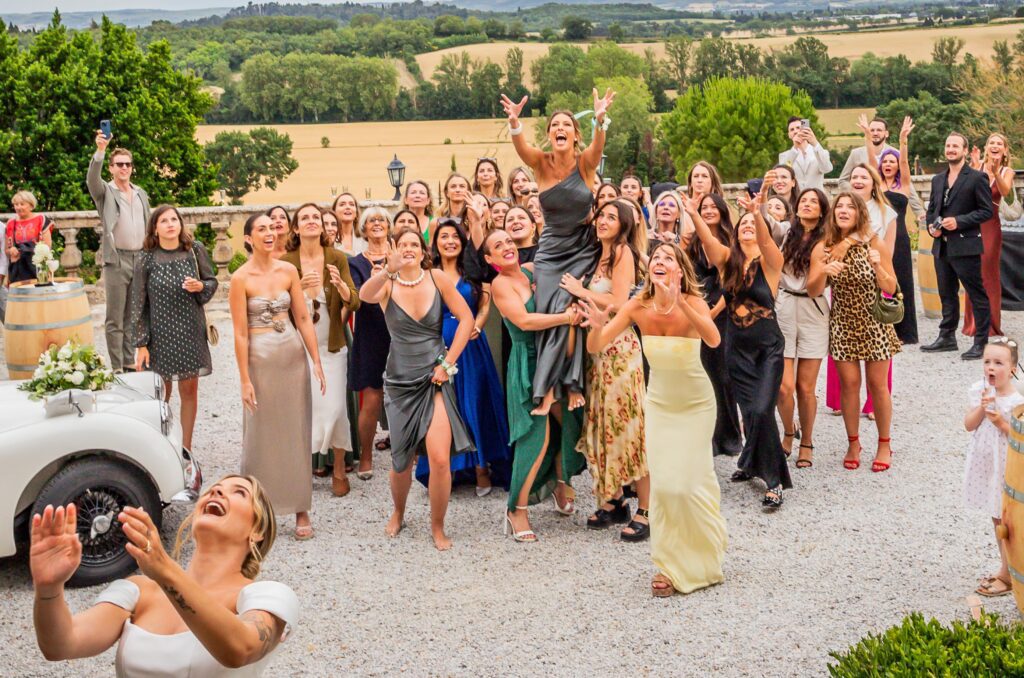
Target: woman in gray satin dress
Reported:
[(277, 416), (418, 394), (567, 243)]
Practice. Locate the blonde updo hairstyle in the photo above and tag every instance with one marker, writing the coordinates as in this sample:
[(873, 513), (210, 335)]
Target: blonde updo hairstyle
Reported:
[(264, 524)]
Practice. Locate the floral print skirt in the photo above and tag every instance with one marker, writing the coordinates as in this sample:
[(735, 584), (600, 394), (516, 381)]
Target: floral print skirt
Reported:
[(613, 435)]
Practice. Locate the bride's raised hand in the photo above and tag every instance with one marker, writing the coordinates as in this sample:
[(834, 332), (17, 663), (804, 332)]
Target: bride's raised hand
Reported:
[(602, 104), (513, 109)]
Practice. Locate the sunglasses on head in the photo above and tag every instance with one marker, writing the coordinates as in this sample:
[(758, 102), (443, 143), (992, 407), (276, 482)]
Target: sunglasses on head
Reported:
[(122, 165), (494, 160)]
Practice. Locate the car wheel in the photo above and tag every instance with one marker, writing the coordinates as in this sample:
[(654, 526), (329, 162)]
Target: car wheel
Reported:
[(101, 488)]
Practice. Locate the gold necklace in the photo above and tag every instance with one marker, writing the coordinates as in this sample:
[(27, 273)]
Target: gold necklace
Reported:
[(654, 304)]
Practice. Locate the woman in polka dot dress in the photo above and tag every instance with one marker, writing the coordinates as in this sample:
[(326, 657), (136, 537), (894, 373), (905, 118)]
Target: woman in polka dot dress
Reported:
[(173, 280)]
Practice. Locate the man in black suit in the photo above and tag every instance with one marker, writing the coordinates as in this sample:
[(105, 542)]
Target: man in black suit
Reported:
[(961, 200)]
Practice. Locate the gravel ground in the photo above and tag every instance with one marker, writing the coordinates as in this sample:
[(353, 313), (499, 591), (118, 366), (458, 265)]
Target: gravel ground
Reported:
[(850, 552)]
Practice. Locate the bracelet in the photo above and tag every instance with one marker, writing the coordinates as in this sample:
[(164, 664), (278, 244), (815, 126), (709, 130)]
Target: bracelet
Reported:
[(606, 123), (390, 275), (515, 131), (452, 370), (53, 597)]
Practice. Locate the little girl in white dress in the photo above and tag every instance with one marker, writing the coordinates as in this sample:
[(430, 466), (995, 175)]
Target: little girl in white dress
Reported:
[(991, 402)]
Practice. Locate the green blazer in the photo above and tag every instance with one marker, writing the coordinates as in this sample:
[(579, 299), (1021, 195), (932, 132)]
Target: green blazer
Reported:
[(336, 331)]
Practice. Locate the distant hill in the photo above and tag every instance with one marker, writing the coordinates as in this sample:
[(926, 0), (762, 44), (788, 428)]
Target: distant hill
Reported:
[(129, 17)]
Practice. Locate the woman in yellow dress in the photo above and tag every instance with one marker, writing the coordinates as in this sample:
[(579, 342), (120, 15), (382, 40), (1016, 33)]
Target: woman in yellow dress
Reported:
[(688, 535)]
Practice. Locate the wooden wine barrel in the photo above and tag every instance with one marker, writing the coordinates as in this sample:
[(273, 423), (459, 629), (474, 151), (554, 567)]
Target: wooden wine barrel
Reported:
[(40, 316), (926, 277), (1012, 529)]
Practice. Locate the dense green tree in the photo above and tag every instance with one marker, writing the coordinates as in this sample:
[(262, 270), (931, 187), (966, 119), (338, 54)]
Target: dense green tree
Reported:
[(576, 28), (605, 59), (933, 121), (738, 124), (616, 32), (557, 70), (53, 95), (712, 58), (947, 50), (247, 162), (677, 50), (513, 85), (1002, 57)]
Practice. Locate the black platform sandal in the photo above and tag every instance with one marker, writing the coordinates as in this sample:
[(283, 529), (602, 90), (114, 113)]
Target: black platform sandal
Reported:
[(805, 463), (772, 498), (602, 518), (629, 492), (641, 531)]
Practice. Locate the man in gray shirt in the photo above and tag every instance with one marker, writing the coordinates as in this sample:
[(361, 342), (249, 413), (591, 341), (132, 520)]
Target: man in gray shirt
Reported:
[(124, 213), (878, 134)]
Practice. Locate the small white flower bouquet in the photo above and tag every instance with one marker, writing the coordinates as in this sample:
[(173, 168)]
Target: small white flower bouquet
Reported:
[(45, 263), (72, 366)]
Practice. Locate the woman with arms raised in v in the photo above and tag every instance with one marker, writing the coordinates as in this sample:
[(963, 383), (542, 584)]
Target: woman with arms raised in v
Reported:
[(567, 244)]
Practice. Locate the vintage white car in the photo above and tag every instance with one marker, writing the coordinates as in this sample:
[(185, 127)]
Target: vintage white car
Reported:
[(103, 451)]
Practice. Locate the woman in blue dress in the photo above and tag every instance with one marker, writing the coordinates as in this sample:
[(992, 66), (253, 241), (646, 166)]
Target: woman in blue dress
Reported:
[(477, 386)]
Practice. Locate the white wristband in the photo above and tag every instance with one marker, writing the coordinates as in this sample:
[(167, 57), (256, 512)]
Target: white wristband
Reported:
[(605, 123), (515, 131)]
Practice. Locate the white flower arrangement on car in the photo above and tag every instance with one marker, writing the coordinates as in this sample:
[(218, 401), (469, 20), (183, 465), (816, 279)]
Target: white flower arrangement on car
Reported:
[(72, 366), (45, 263)]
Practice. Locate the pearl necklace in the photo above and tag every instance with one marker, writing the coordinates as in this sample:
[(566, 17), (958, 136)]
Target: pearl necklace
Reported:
[(411, 283)]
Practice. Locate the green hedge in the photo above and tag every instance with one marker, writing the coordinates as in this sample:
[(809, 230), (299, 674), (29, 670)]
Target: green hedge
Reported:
[(927, 648)]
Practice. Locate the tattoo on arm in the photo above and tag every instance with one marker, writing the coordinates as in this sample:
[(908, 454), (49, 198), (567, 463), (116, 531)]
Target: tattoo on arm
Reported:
[(265, 631), (178, 599)]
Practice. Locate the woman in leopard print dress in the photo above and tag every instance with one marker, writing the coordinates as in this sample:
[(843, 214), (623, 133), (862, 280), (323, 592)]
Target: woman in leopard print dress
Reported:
[(856, 262)]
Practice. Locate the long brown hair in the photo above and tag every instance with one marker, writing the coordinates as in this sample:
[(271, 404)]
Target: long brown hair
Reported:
[(625, 239), (799, 243), (425, 261), (723, 231), (152, 240), (877, 187), (688, 284), (498, 187), (264, 524), (446, 208), (334, 208), (834, 234), (293, 231), (516, 171), (716, 178), (733, 272)]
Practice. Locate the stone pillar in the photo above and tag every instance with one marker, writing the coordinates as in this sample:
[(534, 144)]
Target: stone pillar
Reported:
[(71, 257), (222, 251)]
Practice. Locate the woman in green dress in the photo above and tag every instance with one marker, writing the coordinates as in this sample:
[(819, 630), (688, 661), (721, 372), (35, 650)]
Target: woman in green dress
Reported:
[(535, 473)]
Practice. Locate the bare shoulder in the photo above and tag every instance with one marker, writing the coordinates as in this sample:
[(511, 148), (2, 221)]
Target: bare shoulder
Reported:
[(441, 279)]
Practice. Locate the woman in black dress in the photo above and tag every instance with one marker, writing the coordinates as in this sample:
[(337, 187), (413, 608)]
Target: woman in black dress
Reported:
[(750, 270), (713, 210), (173, 280), (895, 171), (370, 340)]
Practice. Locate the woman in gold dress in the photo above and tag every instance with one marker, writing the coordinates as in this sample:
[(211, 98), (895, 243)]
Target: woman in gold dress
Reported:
[(688, 535)]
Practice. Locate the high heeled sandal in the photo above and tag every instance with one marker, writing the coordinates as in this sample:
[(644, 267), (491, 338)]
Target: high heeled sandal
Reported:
[(805, 463), (787, 434), (853, 464), (772, 498), (602, 517), (641, 531), (880, 466), (523, 536), (570, 505)]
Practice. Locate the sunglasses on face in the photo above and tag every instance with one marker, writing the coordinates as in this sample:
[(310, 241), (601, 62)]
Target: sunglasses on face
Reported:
[(121, 165)]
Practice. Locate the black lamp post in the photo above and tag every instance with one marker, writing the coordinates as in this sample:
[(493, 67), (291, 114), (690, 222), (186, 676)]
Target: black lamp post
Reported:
[(600, 165), (396, 175)]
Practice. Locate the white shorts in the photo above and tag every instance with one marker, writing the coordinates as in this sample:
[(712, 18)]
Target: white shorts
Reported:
[(804, 324)]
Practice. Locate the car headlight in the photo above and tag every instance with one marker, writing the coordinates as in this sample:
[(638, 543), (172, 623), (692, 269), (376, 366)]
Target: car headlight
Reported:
[(166, 418)]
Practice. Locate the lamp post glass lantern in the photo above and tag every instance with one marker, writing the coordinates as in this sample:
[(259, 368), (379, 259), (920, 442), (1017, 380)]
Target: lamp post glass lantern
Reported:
[(396, 175)]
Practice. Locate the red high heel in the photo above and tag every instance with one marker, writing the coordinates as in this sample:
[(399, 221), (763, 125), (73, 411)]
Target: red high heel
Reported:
[(853, 464), (879, 466)]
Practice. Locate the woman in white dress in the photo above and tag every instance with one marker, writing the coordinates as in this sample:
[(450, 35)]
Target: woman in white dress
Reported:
[(208, 620), (328, 289)]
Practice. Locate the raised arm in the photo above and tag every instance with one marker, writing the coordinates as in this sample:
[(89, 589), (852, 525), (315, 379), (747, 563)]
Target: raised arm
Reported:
[(233, 640), (94, 175), (717, 253), (54, 556), (907, 183), (602, 330), (377, 288), (592, 153), (528, 153), (770, 252), (869, 148), (511, 306)]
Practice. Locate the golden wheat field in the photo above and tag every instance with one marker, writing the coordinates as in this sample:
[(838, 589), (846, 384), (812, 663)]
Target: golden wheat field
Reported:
[(915, 43), (359, 153)]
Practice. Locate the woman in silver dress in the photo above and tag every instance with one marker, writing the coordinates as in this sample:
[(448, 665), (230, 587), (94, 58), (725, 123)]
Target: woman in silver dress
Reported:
[(418, 395), (277, 416)]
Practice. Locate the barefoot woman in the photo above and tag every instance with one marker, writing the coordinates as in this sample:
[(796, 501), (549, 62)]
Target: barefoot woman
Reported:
[(418, 394), (567, 244)]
